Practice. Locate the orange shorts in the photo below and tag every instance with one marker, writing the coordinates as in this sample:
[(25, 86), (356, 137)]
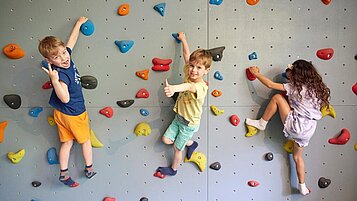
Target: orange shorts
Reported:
[(72, 127)]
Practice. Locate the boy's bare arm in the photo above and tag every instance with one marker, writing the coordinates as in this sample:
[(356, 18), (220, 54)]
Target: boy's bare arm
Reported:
[(185, 48), (171, 89), (61, 88), (266, 81), (75, 32)]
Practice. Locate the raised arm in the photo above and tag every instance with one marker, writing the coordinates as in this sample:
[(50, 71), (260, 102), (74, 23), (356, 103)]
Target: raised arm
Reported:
[(75, 32), (185, 49), (171, 89), (266, 81), (61, 88)]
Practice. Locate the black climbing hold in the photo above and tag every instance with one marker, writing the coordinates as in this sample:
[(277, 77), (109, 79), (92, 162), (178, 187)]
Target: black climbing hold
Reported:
[(13, 101), (125, 103), (356, 57), (89, 82), (323, 182), (215, 166), (269, 156), (217, 53), (175, 96), (36, 183), (144, 199)]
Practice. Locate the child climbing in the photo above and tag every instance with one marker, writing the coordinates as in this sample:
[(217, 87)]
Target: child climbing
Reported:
[(188, 107), (67, 99), (307, 94)]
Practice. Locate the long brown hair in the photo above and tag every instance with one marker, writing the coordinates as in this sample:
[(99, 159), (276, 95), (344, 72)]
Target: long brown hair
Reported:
[(303, 73)]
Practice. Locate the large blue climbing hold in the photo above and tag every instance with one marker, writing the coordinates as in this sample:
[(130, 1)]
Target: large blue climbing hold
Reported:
[(252, 56), (160, 8), (218, 75), (216, 2), (87, 28), (35, 111), (52, 157), (124, 45), (144, 112), (176, 35)]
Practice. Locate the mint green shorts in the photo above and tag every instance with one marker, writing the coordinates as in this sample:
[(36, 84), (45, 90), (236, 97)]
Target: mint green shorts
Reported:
[(180, 133)]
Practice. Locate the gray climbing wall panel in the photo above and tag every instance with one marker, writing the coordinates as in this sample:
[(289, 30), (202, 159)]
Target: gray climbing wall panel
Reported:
[(278, 31)]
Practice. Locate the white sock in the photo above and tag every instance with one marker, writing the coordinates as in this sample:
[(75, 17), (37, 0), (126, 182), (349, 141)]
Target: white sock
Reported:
[(259, 124), (303, 189)]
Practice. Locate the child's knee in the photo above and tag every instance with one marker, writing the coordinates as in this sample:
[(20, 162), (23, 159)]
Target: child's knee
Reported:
[(166, 140)]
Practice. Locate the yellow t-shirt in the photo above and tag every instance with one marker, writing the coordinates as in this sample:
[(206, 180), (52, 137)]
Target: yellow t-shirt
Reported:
[(189, 105)]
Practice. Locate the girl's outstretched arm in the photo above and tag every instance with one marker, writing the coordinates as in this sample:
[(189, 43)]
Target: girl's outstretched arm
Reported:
[(266, 81)]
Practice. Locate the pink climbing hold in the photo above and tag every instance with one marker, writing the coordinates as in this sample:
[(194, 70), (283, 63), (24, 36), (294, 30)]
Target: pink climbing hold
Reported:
[(161, 64), (109, 199), (142, 93), (234, 119), (342, 139), (325, 54), (250, 76), (354, 88), (253, 183), (107, 111)]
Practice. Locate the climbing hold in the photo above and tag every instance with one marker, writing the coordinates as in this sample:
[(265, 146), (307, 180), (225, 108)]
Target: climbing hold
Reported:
[(342, 139), (44, 63), (35, 111), (158, 174), (13, 101), (124, 45), (144, 112), (13, 51), (354, 88), (326, 2), (2, 130), (52, 156), (328, 110), (143, 74), (269, 156), (142, 129), (161, 64), (94, 140), (123, 9), (216, 111), (215, 2), (89, 82), (142, 93), (323, 182), (253, 183), (16, 157), (47, 85), (199, 159), (35, 200), (176, 35), (252, 56), (250, 76), (216, 93), (109, 199), (125, 103), (217, 53), (325, 54), (144, 199), (234, 119), (215, 166), (51, 121), (107, 111), (218, 75), (355, 146), (36, 183), (251, 131), (87, 28), (289, 146), (160, 8), (252, 2)]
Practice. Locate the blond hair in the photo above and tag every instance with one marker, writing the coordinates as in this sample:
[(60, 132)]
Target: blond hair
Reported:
[(199, 56), (49, 46)]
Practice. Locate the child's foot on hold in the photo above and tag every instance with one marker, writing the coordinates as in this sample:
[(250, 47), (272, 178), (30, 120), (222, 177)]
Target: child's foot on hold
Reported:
[(191, 149), (167, 171), (66, 180), (259, 124), (303, 189), (88, 171)]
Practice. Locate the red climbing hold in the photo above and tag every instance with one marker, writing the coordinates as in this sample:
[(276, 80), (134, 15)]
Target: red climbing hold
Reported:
[(161, 64), (142, 93), (47, 85), (107, 111), (326, 2), (250, 76), (325, 54), (234, 119), (354, 88), (158, 174), (109, 199), (343, 138), (253, 183)]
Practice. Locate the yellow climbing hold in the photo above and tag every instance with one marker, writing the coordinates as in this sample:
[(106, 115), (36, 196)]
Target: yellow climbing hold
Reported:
[(142, 129), (328, 110), (251, 131), (16, 157), (2, 130), (216, 111), (356, 146), (289, 146), (51, 121), (94, 140), (199, 159)]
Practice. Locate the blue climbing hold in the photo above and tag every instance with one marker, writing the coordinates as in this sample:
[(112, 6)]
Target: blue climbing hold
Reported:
[(44, 63), (216, 2), (218, 75), (144, 112), (176, 35), (253, 56), (35, 111), (87, 28), (52, 157), (160, 8), (124, 45)]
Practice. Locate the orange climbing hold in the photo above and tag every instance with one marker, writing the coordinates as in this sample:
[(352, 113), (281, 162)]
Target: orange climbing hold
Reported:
[(2, 130), (216, 93), (123, 9), (343, 138), (13, 51), (143, 74), (252, 2), (326, 2)]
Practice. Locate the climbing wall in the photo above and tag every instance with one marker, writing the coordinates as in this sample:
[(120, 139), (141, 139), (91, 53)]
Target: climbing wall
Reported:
[(280, 32)]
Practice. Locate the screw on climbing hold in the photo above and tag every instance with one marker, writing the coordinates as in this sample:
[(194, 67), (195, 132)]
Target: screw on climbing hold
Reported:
[(35, 111), (142, 129), (143, 74), (161, 64), (215, 2), (354, 88), (199, 159), (342, 139), (218, 75), (328, 110), (252, 2), (13, 51), (269, 156), (51, 121), (323, 182), (2, 130), (89, 82), (12, 100), (87, 28), (216, 53), (176, 35), (142, 93), (250, 76), (325, 54), (234, 119), (125, 103), (107, 111), (160, 8), (216, 93), (16, 157), (326, 2), (47, 85), (216, 111), (36, 183), (215, 166), (253, 183), (252, 56), (124, 45), (144, 112), (123, 9), (52, 156)]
